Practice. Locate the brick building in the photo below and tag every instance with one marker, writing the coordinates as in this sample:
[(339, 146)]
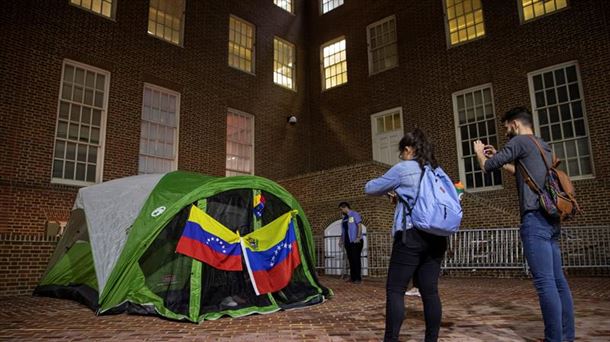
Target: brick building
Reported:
[(102, 89)]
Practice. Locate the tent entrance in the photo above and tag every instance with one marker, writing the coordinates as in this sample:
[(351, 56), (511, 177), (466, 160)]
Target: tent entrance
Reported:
[(198, 291)]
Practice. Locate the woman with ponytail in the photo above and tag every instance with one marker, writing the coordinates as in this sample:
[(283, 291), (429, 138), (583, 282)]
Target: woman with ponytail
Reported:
[(414, 252)]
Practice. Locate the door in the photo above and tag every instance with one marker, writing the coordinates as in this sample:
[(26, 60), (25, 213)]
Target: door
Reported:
[(335, 260), (387, 130)]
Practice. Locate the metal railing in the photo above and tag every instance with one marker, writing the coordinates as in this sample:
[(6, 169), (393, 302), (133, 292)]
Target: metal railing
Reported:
[(489, 249)]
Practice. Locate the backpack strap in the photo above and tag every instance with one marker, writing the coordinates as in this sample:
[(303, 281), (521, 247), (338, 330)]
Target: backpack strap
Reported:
[(406, 207), (528, 179), (546, 164), (525, 173)]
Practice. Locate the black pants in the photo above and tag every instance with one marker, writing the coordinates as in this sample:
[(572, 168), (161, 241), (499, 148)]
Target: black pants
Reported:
[(354, 249), (421, 254)]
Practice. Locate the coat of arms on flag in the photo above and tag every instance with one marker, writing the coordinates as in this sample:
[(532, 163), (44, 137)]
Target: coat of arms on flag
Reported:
[(276, 254)]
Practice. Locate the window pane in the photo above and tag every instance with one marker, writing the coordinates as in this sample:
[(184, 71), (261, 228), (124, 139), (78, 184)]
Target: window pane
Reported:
[(565, 120), (383, 49), (335, 71), (240, 145), (478, 125), (464, 20), (79, 137), (284, 63), (532, 9), (157, 139), (165, 20), (241, 46)]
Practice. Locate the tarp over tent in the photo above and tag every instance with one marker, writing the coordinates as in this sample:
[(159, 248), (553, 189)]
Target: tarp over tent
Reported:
[(118, 252)]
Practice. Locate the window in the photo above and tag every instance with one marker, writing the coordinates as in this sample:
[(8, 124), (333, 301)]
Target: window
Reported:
[(285, 4), (559, 108), (383, 53), (240, 143), (241, 44), (166, 20), (159, 132), (334, 63), (475, 119), (329, 5), (387, 130), (284, 63), (79, 138), (464, 20), (101, 7), (532, 9)]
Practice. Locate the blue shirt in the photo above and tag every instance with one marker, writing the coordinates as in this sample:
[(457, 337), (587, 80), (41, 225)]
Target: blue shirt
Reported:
[(403, 178), (352, 219)]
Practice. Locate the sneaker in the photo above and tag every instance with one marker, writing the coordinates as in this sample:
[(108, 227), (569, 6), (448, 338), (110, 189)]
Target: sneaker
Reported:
[(228, 302), (413, 292)]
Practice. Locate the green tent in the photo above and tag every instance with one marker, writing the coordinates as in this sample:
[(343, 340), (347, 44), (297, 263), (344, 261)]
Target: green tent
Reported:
[(118, 250)]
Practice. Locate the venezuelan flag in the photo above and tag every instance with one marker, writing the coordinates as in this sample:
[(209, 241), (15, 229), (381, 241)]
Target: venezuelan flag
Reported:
[(271, 254), (208, 241), (259, 205)]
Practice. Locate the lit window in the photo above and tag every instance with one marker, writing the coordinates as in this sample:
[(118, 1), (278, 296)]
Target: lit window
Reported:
[(532, 9), (475, 119), (101, 7), (166, 19), (464, 20), (329, 5), (240, 143), (383, 53), (559, 107), (285, 4), (77, 157), (284, 63), (334, 63), (241, 44), (159, 132)]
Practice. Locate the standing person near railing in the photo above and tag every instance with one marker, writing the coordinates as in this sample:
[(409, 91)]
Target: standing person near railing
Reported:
[(539, 234), (413, 250), (351, 239)]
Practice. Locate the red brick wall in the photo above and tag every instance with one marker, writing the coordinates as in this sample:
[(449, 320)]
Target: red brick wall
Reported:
[(23, 260), (38, 35)]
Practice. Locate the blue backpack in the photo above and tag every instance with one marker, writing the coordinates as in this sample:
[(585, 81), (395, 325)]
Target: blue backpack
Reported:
[(437, 208)]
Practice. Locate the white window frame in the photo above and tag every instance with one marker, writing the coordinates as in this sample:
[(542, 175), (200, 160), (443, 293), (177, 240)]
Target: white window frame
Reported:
[(182, 20), (252, 117), (253, 62), (459, 138), (381, 114), (99, 171), (112, 9), (294, 64), (370, 50), (330, 10), (448, 29), (276, 2), (177, 136), (323, 70), (522, 16), (530, 80)]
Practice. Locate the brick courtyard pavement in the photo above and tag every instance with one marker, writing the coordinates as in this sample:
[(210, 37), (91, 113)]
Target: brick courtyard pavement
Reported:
[(474, 310)]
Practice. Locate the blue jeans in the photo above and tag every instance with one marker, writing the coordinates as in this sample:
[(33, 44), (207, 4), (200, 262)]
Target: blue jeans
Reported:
[(540, 239)]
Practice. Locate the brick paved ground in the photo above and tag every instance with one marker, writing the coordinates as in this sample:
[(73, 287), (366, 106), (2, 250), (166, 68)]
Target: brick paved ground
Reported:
[(474, 310)]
